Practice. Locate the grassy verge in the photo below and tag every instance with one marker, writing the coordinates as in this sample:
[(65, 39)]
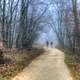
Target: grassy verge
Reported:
[(74, 65), (16, 62)]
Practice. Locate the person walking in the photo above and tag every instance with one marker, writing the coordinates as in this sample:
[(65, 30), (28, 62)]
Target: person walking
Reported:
[(51, 44), (47, 43)]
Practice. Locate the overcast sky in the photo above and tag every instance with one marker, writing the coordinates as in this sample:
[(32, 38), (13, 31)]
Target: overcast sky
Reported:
[(49, 34)]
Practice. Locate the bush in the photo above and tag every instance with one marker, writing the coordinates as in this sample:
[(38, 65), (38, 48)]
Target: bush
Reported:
[(73, 65)]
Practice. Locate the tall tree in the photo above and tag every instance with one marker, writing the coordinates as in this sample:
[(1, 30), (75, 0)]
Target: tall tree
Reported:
[(76, 28)]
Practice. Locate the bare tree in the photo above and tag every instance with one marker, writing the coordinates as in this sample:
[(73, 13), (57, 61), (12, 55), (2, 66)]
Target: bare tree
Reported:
[(28, 22), (3, 21)]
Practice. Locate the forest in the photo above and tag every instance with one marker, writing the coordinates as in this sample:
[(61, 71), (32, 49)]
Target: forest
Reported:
[(22, 20)]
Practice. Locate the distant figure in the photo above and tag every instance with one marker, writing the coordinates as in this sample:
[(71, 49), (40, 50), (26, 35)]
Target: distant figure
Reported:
[(47, 43), (51, 44), (1, 56)]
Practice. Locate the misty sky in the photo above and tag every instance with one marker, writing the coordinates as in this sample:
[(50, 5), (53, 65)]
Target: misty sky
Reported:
[(48, 34)]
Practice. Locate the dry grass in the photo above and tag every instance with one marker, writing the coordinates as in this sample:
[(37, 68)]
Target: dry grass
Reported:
[(16, 62), (74, 65)]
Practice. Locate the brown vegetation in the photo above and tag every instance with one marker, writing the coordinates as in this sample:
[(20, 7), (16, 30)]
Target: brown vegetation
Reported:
[(16, 62), (73, 63)]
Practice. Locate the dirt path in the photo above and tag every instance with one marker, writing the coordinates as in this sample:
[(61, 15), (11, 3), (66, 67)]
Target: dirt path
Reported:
[(49, 66)]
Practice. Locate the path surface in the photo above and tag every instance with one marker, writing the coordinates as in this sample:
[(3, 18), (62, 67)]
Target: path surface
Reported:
[(49, 66)]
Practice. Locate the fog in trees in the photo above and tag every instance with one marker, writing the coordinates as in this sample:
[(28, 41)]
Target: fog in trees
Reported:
[(22, 20)]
